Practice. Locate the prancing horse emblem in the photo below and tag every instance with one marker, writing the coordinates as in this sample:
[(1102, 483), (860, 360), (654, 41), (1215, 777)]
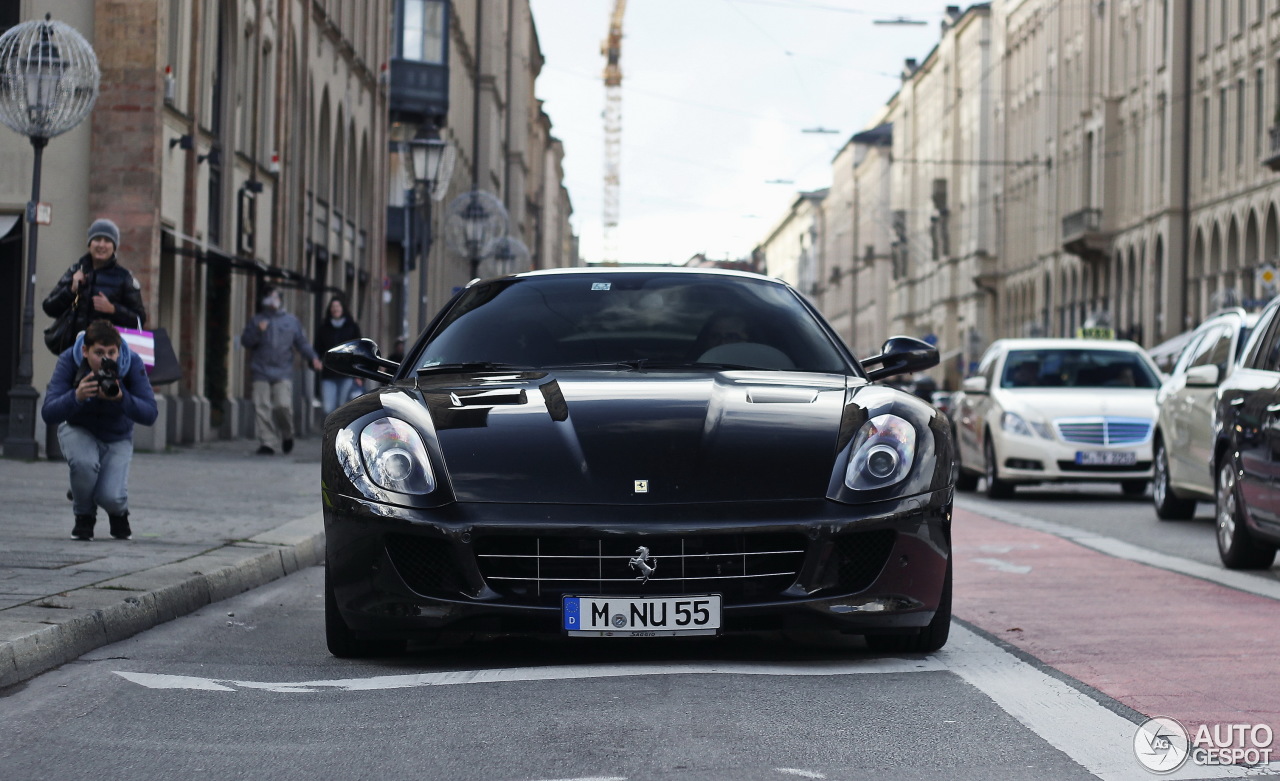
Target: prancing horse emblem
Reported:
[(643, 563)]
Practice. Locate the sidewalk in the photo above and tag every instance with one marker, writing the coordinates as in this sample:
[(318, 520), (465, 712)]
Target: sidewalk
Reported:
[(209, 521)]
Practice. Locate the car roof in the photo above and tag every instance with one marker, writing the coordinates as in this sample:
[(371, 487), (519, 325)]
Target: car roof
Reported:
[(654, 269), (1061, 344)]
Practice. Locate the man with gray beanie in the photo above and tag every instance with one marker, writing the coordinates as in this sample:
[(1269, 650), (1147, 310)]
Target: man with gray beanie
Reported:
[(271, 336), (98, 287)]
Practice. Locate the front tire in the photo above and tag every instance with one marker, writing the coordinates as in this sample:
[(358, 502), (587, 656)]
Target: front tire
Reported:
[(926, 640), (1237, 546), (1169, 507), (996, 488)]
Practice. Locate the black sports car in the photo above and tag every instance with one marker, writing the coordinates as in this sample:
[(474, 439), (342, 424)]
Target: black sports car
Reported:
[(635, 453)]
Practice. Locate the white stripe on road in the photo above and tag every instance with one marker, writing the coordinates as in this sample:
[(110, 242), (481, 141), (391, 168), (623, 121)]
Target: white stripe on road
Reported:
[(791, 771), (1000, 565), (1261, 585), (518, 674)]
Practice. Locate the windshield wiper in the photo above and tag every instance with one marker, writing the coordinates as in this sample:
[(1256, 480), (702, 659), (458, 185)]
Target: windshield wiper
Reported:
[(472, 366)]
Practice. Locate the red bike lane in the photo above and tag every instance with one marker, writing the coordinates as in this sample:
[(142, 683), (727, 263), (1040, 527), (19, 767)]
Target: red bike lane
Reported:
[(1162, 643)]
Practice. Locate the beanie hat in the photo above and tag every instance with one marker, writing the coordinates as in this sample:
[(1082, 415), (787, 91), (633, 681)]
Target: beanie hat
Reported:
[(106, 229)]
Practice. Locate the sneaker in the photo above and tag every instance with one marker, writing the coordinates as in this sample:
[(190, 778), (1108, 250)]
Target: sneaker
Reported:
[(287, 446), (264, 451), (83, 530), (70, 497), (120, 526)]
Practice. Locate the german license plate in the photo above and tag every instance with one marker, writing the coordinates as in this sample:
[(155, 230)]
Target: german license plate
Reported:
[(1106, 457), (641, 616)]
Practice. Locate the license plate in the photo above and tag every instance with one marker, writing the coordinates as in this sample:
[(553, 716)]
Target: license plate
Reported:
[(1106, 458), (641, 616)]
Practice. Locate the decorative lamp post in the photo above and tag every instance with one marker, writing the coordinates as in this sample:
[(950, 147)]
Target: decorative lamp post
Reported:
[(431, 162), (510, 256), (474, 221), (48, 85)]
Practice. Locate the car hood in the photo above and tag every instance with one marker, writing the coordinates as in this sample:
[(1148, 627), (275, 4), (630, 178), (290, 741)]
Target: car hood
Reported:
[(631, 437), (1054, 403)]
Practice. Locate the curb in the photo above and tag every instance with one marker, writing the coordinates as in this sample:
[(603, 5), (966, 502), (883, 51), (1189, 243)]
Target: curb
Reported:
[(52, 631)]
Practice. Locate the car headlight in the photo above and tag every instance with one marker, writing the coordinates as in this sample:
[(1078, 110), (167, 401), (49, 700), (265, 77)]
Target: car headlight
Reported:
[(883, 452), (1014, 423), (389, 455)]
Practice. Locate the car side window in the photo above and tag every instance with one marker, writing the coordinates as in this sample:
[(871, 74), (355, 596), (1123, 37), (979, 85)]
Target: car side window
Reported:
[(1214, 349), (1264, 352), (1188, 352)]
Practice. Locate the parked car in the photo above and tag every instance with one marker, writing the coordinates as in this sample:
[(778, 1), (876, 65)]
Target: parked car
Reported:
[(1183, 472), (631, 453), (1056, 410), (1246, 455)]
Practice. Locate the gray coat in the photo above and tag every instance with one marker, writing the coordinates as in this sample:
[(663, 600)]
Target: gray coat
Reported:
[(272, 349)]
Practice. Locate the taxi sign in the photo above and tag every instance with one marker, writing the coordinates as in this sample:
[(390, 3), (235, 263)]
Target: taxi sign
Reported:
[(1095, 333)]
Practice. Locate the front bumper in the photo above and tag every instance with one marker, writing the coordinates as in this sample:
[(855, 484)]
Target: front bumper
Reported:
[(1034, 459), (480, 567)]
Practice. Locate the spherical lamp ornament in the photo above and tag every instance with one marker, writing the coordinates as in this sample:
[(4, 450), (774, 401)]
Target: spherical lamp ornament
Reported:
[(508, 255), (472, 222), (48, 78)]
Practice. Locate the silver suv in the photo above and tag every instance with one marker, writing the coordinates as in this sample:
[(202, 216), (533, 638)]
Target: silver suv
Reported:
[(1183, 471)]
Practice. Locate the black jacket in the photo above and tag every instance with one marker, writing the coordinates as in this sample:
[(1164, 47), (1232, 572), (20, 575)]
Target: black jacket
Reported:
[(113, 280), (327, 337)]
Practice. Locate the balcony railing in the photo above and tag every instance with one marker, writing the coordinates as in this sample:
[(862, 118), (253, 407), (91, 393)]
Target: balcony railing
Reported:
[(1083, 234), (1271, 158)]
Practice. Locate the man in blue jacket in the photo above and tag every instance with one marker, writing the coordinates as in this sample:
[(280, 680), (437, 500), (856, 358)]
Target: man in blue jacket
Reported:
[(271, 336), (98, 391)]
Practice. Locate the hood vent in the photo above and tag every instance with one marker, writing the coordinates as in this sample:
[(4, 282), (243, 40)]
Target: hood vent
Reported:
[(488, 398)]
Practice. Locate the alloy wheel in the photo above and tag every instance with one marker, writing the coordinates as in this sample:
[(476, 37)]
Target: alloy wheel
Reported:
[(1226, 520)]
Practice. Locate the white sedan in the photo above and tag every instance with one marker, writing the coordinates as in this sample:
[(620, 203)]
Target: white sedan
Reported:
[(1057, 410)]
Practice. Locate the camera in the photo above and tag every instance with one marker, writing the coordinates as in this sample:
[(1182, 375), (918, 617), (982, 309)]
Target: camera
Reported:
[(108, 378)]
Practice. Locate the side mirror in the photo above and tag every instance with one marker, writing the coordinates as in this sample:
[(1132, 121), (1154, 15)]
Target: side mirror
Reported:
[(976, 384), (901, 354), (360, 358), (1203, 376)]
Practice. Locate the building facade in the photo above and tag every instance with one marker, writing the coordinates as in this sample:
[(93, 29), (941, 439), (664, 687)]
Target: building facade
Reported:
[(239, 144)]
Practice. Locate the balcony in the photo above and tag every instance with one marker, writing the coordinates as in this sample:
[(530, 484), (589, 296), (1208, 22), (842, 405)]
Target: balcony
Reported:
[(1271, 157), (1083, 235), (419, 91)]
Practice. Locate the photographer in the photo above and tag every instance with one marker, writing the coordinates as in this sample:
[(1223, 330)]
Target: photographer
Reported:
[(98, 391)]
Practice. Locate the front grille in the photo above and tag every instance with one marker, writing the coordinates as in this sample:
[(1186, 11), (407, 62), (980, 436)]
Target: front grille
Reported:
[(742, 567), (426, 565), (1072, 466), (860, 556), (1104, 431)]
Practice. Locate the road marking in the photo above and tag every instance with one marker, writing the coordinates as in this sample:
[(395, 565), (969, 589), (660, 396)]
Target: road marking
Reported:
[(791, 771), (1001, 565), (1092, 735), (870, 665), (1251, 584)]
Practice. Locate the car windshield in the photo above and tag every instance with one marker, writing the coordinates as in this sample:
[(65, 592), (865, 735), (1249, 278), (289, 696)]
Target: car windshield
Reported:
[(1077, 368), (641, 320)]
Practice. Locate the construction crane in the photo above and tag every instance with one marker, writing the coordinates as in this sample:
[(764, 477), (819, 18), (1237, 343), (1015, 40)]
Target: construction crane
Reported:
[(612, 51)]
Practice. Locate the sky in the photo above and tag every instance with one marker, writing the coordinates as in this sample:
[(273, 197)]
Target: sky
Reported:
[(716, 98)]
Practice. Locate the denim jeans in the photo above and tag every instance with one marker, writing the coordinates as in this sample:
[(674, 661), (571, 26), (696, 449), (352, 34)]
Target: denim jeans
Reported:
[(335, 392), (99, 471)]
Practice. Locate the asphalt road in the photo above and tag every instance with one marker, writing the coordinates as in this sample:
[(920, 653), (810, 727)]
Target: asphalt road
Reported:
[(245, 688)]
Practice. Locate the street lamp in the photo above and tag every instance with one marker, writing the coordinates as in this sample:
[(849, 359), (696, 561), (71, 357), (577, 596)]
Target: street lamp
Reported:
[(48, 85), (430, 166), (474, 220)]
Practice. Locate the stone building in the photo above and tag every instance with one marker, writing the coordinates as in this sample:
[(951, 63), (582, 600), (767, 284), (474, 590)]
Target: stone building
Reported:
[(241, 143)]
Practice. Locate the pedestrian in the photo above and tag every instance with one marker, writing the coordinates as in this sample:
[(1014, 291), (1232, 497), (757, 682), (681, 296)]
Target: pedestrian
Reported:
[(98, 391), (271, 336), (97, 286), (336, 328)]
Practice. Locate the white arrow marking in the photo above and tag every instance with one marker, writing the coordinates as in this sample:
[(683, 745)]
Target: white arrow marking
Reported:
[(508, 675)]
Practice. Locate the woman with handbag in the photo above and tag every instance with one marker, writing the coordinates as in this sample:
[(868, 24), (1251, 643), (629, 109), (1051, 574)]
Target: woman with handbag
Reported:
[(97, 286)]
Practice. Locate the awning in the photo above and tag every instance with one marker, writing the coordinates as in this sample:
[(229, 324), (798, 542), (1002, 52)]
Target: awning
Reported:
[(7, 221)]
